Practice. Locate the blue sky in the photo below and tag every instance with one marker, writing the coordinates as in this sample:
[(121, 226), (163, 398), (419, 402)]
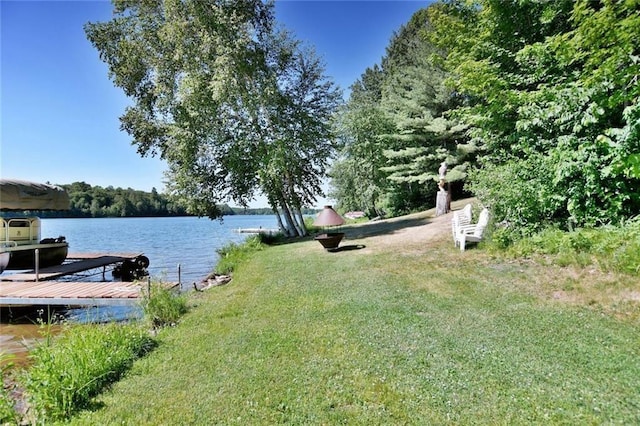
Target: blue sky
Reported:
[(59, 110)]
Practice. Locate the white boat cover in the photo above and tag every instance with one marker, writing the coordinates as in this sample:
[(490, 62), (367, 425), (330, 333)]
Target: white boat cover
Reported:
[(23, 195)]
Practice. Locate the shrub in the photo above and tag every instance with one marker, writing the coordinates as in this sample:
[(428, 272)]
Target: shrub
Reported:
[(270, 239), (501, 189), (612, 248)]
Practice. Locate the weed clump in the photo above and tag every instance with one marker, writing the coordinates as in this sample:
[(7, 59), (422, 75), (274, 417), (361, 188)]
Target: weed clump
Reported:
[(611, 248)]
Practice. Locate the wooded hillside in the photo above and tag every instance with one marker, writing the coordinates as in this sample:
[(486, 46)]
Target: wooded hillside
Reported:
[(535, 107)]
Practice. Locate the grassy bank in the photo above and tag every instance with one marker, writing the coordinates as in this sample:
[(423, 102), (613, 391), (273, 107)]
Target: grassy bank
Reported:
[(413, 333)]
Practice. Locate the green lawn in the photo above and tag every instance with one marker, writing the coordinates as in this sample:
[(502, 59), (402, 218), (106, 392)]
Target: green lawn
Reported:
[(383, 336)]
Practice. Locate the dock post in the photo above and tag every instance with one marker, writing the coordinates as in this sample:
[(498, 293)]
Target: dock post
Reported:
[(37, 263), (149, 288), (179, 277)]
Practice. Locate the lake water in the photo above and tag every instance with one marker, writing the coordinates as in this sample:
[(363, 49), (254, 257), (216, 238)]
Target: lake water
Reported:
[(168, 242)]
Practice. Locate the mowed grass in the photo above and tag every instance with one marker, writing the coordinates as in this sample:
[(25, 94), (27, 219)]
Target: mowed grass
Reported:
[(434, 336)]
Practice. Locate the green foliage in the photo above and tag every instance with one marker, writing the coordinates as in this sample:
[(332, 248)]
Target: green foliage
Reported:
[(66, 375), (633, 165), (163, 306), (8, 414), (395, 129), (612, 249), (357, 178), (554, 86), (232, 255), (233, 103), (416, 98), (520, 192), (95, 201), (308, 223)]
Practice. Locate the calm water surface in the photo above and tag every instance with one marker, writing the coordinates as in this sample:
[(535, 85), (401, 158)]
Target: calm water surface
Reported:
[(168, 242)]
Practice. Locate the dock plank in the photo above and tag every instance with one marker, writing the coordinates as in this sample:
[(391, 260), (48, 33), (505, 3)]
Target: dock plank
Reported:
[(23, 289), (69, 293), (94, 255)]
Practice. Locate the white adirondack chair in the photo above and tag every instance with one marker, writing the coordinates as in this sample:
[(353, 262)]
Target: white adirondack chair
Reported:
[(473, 233), (460, 218)]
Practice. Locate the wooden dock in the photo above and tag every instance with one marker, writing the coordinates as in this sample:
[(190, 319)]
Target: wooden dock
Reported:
[(266, 231), (47, 288), (68, 293)]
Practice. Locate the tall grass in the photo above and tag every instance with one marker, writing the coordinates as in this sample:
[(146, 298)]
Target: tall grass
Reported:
[(163, 306), (84, 359), (68, 370), (7, 413), (234, 254), (612, 249)]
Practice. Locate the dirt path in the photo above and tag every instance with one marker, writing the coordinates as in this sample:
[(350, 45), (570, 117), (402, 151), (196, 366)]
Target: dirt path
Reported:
[(406, 233)]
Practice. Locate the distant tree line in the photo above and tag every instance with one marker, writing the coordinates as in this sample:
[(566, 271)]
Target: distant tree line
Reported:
[(96, 201)]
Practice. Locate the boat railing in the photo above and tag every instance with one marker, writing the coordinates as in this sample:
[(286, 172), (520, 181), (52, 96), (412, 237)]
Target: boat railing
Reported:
[(24, 230)]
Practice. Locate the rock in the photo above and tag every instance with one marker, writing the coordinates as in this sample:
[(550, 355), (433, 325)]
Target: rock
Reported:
[(213, 280)]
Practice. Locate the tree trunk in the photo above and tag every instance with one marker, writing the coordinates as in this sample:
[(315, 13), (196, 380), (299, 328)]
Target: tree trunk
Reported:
[(291, 227), (279, 219), (300, 231), (303, 228)]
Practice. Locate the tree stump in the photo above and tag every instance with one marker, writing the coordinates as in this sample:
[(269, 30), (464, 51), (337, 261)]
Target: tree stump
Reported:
[(443, 203)]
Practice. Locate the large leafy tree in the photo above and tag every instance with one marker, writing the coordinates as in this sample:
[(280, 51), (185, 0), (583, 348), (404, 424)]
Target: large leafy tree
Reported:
[(233, 105), (551, 91)]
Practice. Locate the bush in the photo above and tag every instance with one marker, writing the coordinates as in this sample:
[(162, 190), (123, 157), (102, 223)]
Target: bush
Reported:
[(270, 239), (519, 193), (311, 228), (78, 365)]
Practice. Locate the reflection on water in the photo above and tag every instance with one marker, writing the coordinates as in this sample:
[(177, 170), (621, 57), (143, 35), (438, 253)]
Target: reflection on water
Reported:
[(19, 338), (100, 314)]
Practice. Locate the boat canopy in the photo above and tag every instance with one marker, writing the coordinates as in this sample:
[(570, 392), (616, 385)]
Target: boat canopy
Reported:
[(24, 195)]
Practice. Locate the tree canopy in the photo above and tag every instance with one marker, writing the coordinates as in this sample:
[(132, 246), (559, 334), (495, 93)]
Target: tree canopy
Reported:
[(396, 131), (534, 105), (235, 105), (552, 96)]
